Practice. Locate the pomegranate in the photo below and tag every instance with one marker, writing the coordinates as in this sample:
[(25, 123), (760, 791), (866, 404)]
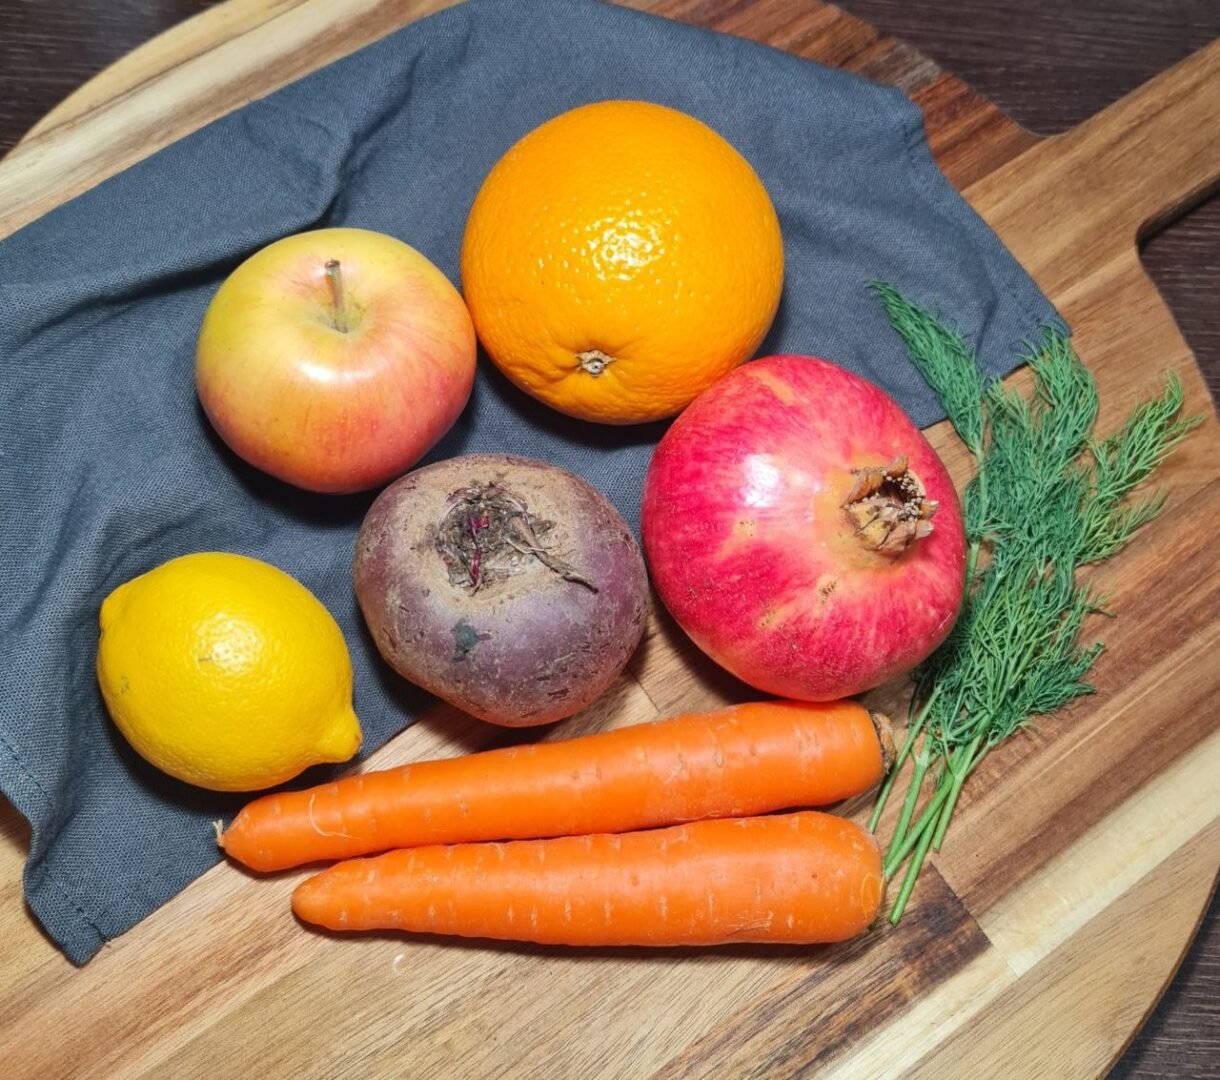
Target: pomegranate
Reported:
[(803, 532)]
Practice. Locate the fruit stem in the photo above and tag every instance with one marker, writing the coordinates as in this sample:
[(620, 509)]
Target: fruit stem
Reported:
[(334, 274), (594, 361)]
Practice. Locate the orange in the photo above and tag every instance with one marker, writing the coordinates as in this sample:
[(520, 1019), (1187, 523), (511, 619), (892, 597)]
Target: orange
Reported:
[(620, 259)]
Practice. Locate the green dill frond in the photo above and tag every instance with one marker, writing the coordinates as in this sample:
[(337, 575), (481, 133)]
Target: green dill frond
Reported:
[(1065, 401), (975, 518), (944, 360), (1122, 462), (1046, 500), (1107, 530), (1129, 456)]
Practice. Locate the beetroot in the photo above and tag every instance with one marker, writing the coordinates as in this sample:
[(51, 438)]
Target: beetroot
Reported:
[(507, 587)]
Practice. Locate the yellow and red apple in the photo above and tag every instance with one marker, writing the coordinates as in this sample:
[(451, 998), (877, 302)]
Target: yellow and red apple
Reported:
[(335, 359)]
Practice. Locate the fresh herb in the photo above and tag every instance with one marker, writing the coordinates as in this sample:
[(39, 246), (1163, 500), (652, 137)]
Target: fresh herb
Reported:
[(1045, 500)]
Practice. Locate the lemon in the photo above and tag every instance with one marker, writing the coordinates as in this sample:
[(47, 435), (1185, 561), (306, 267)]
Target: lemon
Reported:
[(226, 672)]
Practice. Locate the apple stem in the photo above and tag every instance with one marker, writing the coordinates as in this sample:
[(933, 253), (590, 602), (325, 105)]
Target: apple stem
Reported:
[(334, 274)]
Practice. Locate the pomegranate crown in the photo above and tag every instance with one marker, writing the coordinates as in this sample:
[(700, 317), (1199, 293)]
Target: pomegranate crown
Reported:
[(888, 508)]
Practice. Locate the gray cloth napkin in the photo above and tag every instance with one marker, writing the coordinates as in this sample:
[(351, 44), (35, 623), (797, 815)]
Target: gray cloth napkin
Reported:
[(108, 467)]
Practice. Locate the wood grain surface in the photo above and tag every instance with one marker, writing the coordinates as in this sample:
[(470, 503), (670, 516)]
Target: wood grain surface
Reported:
[(1082, 856)]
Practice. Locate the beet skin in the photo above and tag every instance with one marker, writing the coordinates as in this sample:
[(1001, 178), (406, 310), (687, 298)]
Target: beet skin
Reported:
[(507, 587)]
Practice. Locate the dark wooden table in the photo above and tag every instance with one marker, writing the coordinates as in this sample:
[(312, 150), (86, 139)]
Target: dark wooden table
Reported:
[(1046, 63)]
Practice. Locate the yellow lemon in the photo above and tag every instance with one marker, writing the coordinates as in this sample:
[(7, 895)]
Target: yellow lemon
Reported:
[(227, 673)]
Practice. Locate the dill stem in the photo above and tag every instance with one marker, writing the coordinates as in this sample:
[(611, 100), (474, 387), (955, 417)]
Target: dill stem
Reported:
[(926, 819), (908, 881), (959, 772), (922, 760), (884, 794), (972, 558), (913, 730)]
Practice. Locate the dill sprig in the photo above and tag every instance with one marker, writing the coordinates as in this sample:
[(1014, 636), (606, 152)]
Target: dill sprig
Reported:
[(1045, 500)]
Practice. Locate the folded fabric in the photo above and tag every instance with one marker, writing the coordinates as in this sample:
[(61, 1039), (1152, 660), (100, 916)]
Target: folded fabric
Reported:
[(108, 466)]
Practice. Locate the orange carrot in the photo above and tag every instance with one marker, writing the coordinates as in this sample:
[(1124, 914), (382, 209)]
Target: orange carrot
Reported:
[(799, 878), (747, 759)]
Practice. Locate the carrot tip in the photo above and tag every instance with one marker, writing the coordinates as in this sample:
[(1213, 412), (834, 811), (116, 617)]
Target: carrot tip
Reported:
[(306, 904), (219, 826)]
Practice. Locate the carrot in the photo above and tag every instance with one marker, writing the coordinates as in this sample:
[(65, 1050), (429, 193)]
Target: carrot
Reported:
[(747, 759), (800, 878)]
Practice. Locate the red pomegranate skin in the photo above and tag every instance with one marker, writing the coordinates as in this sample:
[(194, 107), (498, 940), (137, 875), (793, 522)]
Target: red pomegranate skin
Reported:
[(750, 547)]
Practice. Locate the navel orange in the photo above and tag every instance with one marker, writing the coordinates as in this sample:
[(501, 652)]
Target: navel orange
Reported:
[(619, 259)]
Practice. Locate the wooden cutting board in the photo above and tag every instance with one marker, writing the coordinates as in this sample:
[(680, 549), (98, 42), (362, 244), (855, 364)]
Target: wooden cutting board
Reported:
[(1082, 854)]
